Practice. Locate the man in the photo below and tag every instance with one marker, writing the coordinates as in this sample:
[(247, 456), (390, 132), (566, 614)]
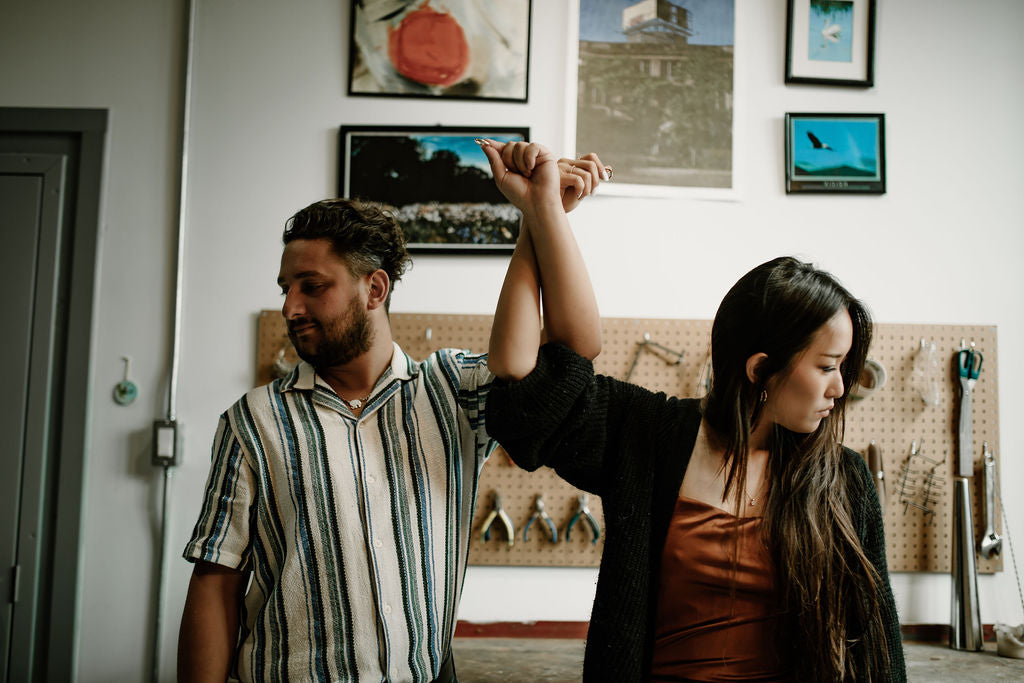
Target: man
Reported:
[(345, 490)]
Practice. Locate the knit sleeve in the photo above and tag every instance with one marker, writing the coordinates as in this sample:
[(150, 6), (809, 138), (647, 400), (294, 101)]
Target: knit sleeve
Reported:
[(872, 533), (563, 416)]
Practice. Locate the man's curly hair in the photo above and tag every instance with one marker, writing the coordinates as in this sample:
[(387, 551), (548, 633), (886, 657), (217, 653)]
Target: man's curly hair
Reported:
[(362, 234)]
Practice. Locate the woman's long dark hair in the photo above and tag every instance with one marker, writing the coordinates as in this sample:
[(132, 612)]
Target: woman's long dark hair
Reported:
[(828, 587)]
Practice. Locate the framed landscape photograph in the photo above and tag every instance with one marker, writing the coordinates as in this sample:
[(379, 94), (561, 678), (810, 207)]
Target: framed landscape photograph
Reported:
[(458, 49), (435, 181), (843, 153), (831, 42), (654, 94)]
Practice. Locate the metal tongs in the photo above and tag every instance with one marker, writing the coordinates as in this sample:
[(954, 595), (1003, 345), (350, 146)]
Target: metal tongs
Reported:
[(968, 367), (498, 512), (540, 513), (583, 511)]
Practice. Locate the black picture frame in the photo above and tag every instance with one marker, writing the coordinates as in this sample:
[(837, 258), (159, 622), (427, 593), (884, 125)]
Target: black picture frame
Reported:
[(435, 181), (845, 53), (835, 153), (467, 50)]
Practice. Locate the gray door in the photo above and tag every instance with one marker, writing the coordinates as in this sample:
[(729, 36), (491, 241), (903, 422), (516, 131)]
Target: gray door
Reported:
[(31, 197)]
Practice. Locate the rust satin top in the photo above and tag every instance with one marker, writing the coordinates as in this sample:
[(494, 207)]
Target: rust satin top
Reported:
[(705, 631)]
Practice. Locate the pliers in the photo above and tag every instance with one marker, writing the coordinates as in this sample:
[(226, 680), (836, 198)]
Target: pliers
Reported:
[(499, 513), (583, 510), (539, 512)]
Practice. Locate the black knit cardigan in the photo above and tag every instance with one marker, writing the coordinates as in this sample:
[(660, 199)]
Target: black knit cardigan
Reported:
[(631, 447)]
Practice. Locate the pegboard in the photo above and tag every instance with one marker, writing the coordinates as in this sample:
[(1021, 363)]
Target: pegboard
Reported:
[(892, 416)]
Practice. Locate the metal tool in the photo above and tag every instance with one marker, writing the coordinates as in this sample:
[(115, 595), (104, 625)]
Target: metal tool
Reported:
[(965, 617), (933, 486), (991, 542), (968, 362), (583, 511), (647, 344), (906, 484), (497, 513), (541, 514), (877, 470), (965, 613)]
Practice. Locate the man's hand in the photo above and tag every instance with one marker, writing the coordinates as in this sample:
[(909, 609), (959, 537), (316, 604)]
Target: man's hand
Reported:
[(529, 176)]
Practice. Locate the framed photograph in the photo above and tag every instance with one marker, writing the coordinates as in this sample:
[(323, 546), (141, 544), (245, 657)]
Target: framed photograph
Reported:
[(654, 94), (831, 42), (459, 49), (835, 153), (435, 181)]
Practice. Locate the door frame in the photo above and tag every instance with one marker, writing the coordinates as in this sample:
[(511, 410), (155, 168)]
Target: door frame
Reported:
[(82, 215)]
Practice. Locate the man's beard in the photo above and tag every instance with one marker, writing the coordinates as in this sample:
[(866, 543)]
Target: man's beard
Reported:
[(343, 338)]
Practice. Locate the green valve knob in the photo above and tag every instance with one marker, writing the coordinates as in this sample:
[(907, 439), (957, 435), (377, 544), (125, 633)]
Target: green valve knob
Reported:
[(126, 391)]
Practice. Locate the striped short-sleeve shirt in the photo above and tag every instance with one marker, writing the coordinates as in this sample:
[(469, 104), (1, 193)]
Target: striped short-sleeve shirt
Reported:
[(356, 530)]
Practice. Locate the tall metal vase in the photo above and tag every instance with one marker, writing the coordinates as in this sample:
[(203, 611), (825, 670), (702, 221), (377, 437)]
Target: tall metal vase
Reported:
[(965, 619)]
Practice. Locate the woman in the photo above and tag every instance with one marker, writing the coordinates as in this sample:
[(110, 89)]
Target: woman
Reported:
[(743, 541)]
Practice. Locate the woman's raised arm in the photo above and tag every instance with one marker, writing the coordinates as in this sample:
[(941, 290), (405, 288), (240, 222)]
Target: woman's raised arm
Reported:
[(546, 265)]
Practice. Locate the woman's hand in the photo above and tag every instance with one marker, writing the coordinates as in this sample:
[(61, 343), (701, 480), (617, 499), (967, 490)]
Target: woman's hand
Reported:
[(528, 175)]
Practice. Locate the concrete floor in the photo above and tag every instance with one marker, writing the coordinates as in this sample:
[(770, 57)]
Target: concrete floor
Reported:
[(529, 660)]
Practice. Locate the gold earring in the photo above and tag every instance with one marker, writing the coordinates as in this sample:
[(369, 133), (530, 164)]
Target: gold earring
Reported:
[(764, 396)]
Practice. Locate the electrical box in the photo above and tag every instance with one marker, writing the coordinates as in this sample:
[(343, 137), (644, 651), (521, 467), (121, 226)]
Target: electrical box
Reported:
[(166, 443)]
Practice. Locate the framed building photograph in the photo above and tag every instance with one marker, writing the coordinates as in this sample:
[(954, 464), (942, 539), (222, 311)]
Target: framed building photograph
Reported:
[(654, 93), (843, 153), (435, 181), (458, 49), (831, 42)]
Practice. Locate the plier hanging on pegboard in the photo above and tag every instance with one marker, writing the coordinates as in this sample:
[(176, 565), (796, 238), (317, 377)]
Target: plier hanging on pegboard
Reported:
[(583, 510), (540, 513), (497, 513)]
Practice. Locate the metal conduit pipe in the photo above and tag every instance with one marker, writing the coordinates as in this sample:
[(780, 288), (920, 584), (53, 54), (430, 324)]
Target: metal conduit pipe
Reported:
[(165, 432)]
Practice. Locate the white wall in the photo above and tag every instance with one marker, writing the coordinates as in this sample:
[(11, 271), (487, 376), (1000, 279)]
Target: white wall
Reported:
[(943, 246)]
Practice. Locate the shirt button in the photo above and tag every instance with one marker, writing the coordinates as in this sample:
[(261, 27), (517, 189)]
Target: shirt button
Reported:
[(377, 542), (372, 479), (387, 609)]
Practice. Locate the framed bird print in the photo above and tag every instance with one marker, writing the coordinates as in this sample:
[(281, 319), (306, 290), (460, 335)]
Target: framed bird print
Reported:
[(840, 153), (831, 42)]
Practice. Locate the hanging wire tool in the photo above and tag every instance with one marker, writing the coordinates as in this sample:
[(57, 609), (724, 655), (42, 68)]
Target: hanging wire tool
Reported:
[(497, 513), (968, 363), (648, 345), (583, 511), (540, 513)]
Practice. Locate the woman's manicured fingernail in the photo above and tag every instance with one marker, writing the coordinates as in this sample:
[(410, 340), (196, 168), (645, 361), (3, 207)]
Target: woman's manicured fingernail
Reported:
[(481, 142), (607, 173)]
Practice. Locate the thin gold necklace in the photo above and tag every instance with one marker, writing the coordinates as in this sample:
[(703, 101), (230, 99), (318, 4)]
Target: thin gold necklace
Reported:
[(750, 498)]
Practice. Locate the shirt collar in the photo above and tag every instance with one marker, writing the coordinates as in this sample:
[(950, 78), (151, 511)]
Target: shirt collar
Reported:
[(304, 377)]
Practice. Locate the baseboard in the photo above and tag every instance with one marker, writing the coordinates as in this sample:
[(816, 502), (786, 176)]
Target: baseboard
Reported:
[(577, 630), (938, 633)]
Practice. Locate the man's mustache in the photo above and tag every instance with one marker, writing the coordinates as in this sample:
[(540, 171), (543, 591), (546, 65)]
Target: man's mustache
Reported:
[(301, 322)]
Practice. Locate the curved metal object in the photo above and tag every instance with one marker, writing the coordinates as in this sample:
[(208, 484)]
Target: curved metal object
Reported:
[(583, 511), (991, 542), (965, 617), (498, 512), (540, 513)]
